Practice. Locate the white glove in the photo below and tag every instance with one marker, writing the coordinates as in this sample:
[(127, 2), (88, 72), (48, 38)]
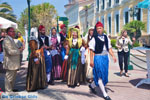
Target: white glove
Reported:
[(66, 57), (36, 59)]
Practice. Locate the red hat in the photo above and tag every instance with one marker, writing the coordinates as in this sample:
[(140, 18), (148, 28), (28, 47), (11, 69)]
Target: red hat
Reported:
[(41, 27), (99, 24), (62, 26)]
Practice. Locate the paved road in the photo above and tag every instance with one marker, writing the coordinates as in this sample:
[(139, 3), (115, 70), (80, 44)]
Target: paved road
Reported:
[(118, 88)]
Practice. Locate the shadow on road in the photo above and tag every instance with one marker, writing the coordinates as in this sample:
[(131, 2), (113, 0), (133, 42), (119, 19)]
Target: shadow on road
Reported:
[(58, 94), (134, 82)]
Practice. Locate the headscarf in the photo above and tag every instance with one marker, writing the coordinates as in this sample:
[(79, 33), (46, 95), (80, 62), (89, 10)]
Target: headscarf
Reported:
[(69, 33), (79, 38)]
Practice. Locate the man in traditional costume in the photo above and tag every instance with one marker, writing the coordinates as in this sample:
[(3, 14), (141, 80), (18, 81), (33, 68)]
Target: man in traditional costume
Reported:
[(101, 46), (45, 43)]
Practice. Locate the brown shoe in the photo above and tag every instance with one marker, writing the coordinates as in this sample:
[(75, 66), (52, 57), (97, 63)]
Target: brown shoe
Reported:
[(121, 73)]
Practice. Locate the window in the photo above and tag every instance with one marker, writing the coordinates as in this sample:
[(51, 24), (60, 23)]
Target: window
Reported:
[(139, 14), (103, 6), (126, 17), (97, 5), (102, 20), (117, 23), (109, 3), (109, 24), (117, 1)]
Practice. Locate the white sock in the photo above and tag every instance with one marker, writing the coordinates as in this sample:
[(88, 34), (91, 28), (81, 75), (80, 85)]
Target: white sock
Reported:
[(48, 76), (93, 85), (101, 85)]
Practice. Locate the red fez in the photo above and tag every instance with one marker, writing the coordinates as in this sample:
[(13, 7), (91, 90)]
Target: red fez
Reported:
[(99, 24), (62, 26), (77, 27), (41, 27)]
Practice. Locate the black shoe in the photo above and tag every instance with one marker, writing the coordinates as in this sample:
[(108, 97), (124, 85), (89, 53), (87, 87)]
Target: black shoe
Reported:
[(15, 90), (92, 90), (107, 98), (51, 83)]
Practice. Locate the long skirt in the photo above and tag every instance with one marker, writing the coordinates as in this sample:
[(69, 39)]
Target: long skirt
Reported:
[(36, 75), (56, 69), (89, 69), (100, 70), (64, 71), (74, 69)]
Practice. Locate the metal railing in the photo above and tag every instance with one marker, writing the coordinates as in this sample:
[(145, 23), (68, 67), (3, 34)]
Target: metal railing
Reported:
[(138, 59)]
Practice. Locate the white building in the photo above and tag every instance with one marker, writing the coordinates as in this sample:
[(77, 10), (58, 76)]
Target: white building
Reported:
[(74, 9), (114, 14)]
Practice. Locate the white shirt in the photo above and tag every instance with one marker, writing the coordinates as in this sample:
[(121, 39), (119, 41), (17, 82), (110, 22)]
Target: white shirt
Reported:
[(75, 41), (92, 43)]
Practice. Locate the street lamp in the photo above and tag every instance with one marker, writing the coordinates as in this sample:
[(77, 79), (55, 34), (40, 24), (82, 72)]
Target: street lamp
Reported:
[(29, 27), (133, 11)]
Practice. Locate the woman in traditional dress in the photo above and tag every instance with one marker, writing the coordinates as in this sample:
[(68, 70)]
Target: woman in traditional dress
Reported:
[(36, 75), (55, 52), (101, 46), (74, 60), (89, 69)]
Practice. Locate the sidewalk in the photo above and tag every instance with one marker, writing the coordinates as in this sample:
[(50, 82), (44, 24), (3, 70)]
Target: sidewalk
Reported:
[(118, 88)]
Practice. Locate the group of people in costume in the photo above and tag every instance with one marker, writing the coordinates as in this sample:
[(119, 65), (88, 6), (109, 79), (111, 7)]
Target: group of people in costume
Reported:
[(69, 57)]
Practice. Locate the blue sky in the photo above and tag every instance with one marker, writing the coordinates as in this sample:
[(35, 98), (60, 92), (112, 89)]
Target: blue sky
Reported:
[(19, 5)]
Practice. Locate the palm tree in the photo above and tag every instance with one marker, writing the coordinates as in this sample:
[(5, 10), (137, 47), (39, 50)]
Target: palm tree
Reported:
[(7, 12), (134, 28)]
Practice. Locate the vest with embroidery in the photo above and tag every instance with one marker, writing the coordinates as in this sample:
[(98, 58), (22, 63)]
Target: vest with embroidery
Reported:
[(99, 44)]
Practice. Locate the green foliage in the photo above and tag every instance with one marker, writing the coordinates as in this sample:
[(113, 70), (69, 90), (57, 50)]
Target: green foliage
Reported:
[(44, 14), (136, 44), (113, 43), (134, 28), (6, 11)]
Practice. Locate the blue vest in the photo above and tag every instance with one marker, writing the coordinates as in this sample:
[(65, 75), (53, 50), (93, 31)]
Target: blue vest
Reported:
[(99, 44)]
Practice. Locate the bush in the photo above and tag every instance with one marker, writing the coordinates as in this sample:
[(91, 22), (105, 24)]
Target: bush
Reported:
[(136, 44), (113, 43)]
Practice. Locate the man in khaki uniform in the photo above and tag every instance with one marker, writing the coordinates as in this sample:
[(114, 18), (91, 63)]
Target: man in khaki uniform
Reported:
[(11, 59)]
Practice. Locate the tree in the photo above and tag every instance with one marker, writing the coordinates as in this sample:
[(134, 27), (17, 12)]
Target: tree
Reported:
[(43, 14), (6, 11), (134, 28)]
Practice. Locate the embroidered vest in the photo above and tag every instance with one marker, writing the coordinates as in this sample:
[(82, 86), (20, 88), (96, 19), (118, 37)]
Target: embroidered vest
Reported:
[(46, 41), (99, 44)]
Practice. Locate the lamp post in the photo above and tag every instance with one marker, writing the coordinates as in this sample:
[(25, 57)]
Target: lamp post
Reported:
[(133, 12), (29, 27), (57, 23)]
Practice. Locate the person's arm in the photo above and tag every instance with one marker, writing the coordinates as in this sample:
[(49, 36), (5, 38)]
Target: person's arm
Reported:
[(92, 48), (66, 46), (7, 45), (111, 51), (112, 54), (91, 58), (117, 44)]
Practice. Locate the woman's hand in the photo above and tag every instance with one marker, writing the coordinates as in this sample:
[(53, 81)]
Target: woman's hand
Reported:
[(92, 63), (37, 62), (133, 39), (114, 58)]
